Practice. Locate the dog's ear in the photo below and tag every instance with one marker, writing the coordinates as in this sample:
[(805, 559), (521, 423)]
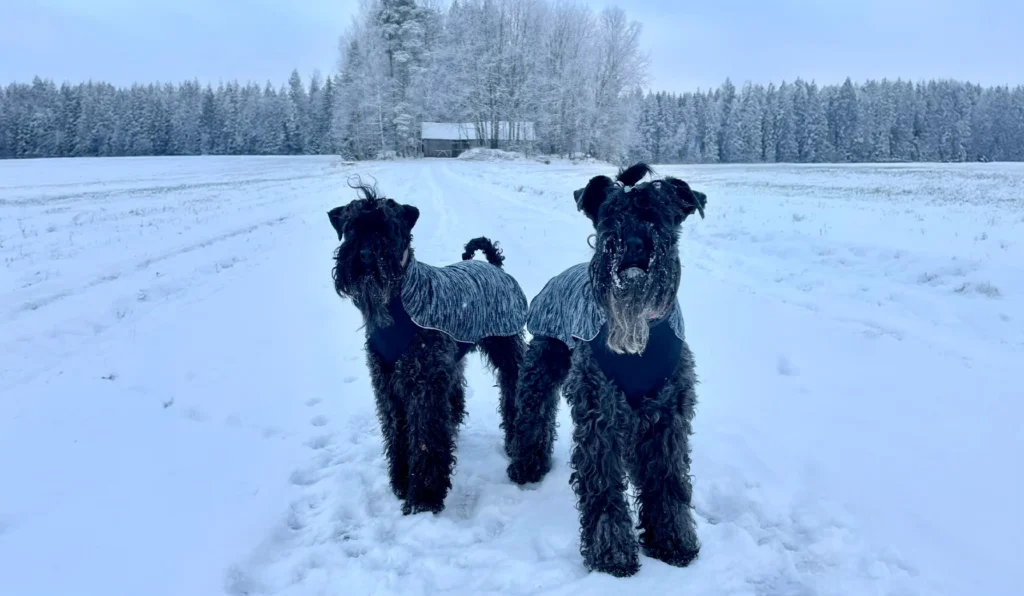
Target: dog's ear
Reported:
[(590, 198), (689, 200), (410, 215), (338, 217)]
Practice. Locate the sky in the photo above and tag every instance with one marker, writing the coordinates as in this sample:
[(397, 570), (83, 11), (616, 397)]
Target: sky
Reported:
[(691, 44)]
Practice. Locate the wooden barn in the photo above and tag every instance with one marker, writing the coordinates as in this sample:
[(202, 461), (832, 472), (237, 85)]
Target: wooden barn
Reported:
[(450, 139)]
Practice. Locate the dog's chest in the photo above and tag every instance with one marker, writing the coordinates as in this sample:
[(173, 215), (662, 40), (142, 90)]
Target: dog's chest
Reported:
[(638, 375), (391, 342)]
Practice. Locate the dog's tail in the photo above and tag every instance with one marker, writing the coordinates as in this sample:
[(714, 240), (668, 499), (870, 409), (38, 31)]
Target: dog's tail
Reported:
[(491, 251)]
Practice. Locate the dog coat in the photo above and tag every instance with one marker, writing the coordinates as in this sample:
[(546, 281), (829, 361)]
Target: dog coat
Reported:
[(468, 301), (565, 309)]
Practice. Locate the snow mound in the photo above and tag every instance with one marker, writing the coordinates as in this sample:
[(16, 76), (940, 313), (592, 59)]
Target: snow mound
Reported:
[(499, 155), (485, 154)]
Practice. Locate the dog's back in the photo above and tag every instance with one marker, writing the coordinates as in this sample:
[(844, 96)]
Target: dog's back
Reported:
[(468, 300)]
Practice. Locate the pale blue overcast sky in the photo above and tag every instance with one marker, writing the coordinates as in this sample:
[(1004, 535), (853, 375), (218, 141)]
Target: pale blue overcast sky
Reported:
[(691, 44)]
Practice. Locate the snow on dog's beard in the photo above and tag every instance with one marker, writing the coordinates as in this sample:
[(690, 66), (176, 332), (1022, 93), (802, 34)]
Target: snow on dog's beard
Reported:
[(633, 298), (370, 287)]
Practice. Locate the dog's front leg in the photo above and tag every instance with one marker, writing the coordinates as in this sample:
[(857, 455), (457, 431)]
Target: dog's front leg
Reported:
[(426, 374), (660, 466), (607, 540), (536, 404), (391, 412)]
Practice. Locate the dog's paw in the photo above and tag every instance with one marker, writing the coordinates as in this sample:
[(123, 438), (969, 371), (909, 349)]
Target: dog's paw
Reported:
[(400, 492), (677, 557), (617, 563), (411, 508), (612, 549), (523, 471), (677, 548)]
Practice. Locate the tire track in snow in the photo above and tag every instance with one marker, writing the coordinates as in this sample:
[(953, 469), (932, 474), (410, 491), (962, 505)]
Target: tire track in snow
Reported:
[(94, 195), (34, 305), (453, 172)]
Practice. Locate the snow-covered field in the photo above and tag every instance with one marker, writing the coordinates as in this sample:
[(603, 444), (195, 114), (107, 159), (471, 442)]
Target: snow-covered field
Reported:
[(185, 410)]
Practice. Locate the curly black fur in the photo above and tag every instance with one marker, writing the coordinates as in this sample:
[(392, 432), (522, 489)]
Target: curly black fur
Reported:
[(544, 370), (420, 394), (420, 403), (490, 249), (635, 274), (505, 356), (650, 444)]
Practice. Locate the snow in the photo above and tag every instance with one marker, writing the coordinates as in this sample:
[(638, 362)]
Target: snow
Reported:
[(486, 154), (185, 409)]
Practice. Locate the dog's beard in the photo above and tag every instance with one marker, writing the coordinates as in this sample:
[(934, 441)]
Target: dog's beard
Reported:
[(633, 299), (371, 290), (628, 324), (372, 301)]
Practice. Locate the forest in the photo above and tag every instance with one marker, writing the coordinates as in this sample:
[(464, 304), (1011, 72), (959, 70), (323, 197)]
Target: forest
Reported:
[(579, 75)]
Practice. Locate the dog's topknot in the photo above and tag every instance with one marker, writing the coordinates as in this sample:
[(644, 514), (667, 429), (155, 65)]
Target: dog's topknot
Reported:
[(634, 173), (365, 191)]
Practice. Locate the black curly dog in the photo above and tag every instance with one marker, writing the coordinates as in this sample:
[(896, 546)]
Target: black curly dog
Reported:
[(413, 321), (609, 334)]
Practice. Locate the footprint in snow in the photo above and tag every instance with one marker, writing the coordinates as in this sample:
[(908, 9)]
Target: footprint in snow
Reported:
[(306, 477), (465, 500), (319, 420), (239, 583), (319, 442), (349, 380), (785, 367), (313, 401)]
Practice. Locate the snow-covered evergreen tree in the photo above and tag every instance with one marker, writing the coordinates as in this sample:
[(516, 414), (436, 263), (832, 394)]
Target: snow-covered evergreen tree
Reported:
[(297, 117), (786, 146)]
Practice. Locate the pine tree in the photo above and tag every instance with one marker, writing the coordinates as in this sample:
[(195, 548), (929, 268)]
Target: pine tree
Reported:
[(210, 123), (325, 117), (709, 124), (643, 148), (728, 142), (769, 125), (786, 146), (297, 117), (6, 124), (687, 139), (746, 130)]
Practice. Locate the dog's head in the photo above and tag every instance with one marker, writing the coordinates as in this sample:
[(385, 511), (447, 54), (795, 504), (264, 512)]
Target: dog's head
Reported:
[(376, 245), (635, 270)]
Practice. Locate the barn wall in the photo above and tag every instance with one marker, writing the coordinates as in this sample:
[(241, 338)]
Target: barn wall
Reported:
[(446, 148)]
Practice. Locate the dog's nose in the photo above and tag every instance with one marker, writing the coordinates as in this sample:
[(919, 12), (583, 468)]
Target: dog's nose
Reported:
[(366, 255), (634, 246)]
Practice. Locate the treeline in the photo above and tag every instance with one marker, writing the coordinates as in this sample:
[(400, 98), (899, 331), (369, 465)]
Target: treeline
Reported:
[(799, 122), (576, 74), (97, 119)]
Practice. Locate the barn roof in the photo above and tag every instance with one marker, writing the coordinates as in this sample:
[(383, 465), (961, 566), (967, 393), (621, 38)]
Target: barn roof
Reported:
[(467, 131)]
